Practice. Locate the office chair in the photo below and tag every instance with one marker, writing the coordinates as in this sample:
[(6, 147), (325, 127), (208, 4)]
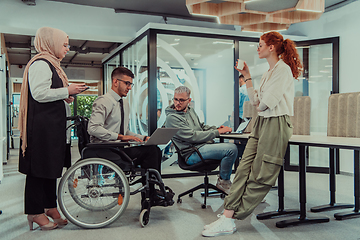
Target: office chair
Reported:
[(206, 166)]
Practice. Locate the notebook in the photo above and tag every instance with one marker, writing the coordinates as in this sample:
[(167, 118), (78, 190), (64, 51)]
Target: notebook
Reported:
[(242, 127), (160, 136)]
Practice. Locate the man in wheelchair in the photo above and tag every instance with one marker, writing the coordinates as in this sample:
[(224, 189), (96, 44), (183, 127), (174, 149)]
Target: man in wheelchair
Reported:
[(109, 122)]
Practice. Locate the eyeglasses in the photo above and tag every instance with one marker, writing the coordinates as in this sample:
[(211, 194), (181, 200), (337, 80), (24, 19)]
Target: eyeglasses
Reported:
[(66, 46), (180, 100), (128, 84)]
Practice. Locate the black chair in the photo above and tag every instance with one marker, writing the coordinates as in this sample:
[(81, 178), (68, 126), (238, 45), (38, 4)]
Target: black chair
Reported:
[(206, 166)]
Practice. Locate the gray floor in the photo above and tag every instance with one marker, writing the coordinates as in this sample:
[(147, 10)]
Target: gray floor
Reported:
[(186, 220)]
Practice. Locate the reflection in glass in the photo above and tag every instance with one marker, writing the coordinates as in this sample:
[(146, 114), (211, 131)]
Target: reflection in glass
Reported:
[(205, 65), (135, 59), (318, 86)]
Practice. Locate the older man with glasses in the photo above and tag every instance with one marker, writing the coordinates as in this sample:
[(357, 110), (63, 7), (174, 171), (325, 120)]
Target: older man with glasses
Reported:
[(195, 133)]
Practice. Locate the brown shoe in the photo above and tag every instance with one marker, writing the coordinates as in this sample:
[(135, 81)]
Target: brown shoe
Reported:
[(224, 185)]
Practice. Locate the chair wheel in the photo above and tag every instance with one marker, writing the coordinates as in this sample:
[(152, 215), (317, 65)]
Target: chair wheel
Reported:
[(144, 217), (222, 196), (203, 206), (179, 200), (190, 194)]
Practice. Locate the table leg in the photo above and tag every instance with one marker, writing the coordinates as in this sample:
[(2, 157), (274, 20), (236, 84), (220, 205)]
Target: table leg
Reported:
[(302, 182), (281, 211), (355, 212), (332, 205)]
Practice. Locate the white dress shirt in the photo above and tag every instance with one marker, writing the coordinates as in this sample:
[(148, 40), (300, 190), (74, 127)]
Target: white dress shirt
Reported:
[(105, 120), (40, 76)]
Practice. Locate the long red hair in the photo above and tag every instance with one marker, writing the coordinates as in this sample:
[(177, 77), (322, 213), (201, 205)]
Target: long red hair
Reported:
[(287, 51)]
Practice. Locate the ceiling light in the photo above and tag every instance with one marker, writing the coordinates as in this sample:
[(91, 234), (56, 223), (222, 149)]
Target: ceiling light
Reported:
[(251, 31), (174, 44), (309, 10), (193, 55), (177, 39), (327, 59), (251, 45), (206, 15), (220, 42), (234, 12), (29, 2)]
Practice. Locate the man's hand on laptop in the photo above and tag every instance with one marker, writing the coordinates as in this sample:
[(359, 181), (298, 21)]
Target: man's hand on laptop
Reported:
[(224, 129), (127, 138)]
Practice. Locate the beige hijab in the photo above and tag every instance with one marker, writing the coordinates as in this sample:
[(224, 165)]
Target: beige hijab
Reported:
[(48, 43)]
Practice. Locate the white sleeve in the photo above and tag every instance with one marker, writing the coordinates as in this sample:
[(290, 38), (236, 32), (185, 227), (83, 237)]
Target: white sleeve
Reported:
[(40, 76)]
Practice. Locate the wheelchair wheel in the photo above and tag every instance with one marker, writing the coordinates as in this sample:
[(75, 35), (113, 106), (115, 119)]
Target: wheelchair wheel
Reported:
[(93, 193), (144, 217)]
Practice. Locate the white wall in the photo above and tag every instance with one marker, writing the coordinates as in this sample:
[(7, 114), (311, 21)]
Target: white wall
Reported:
[(343, 22), (3, 141)]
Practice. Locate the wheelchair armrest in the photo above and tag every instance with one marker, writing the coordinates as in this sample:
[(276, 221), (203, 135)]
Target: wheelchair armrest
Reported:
[(107, 144)]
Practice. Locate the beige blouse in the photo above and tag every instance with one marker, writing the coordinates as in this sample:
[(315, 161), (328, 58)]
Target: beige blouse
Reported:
[(276, 91)]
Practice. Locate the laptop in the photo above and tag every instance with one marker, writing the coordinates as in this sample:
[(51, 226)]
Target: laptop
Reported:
[(242, 127), (159, 137)]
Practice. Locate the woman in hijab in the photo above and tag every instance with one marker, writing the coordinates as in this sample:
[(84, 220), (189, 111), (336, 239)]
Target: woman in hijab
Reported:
[(45, 92)]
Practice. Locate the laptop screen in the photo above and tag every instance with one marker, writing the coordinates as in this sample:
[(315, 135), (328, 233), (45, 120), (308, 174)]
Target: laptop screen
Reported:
[(243, 125)]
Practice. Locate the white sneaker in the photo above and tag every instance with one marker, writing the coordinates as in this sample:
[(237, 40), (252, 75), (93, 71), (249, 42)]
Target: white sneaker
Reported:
[(209, 225), (224, 185), (222, 226)]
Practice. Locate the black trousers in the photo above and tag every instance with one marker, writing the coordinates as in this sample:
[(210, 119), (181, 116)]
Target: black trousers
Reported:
[(146, 156), (40, 193)]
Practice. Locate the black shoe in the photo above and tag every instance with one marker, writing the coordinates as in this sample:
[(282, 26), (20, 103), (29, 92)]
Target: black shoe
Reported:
[(160, 200)]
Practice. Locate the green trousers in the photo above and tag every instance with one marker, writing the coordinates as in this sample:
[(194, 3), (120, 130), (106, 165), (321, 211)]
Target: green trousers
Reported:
[(260, 164)]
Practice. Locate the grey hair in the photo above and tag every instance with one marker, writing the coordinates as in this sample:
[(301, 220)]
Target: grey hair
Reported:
[(182, 89)]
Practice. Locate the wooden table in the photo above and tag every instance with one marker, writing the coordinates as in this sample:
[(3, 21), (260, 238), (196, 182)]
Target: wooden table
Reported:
[(315, 141)]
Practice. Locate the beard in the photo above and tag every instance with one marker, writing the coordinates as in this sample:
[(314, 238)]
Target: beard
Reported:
[(180, 110)]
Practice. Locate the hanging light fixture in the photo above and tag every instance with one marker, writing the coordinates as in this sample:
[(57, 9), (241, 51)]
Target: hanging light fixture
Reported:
[(234, 12)]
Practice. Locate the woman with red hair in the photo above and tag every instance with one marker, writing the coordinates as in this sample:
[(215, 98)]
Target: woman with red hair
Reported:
[(263, 156)]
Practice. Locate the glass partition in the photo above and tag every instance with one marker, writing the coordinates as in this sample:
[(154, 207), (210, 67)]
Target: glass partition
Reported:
[(317, 83), (205, 65), (108, 68), (165, 59), (135, 58)]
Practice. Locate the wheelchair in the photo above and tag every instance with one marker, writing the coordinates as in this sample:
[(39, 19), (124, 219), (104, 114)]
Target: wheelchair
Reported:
[(95, 192)]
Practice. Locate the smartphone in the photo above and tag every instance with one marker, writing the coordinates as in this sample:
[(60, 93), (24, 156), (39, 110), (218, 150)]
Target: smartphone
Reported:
[(87, 87)]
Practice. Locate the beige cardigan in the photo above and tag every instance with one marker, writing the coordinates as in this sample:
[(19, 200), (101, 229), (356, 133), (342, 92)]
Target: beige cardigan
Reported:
[(276, 91)]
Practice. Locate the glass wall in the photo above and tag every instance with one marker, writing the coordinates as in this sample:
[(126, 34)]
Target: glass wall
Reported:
[(165, 59), (320, 88), (205, 65), (108, 68), (317, 82), (135, 58)]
